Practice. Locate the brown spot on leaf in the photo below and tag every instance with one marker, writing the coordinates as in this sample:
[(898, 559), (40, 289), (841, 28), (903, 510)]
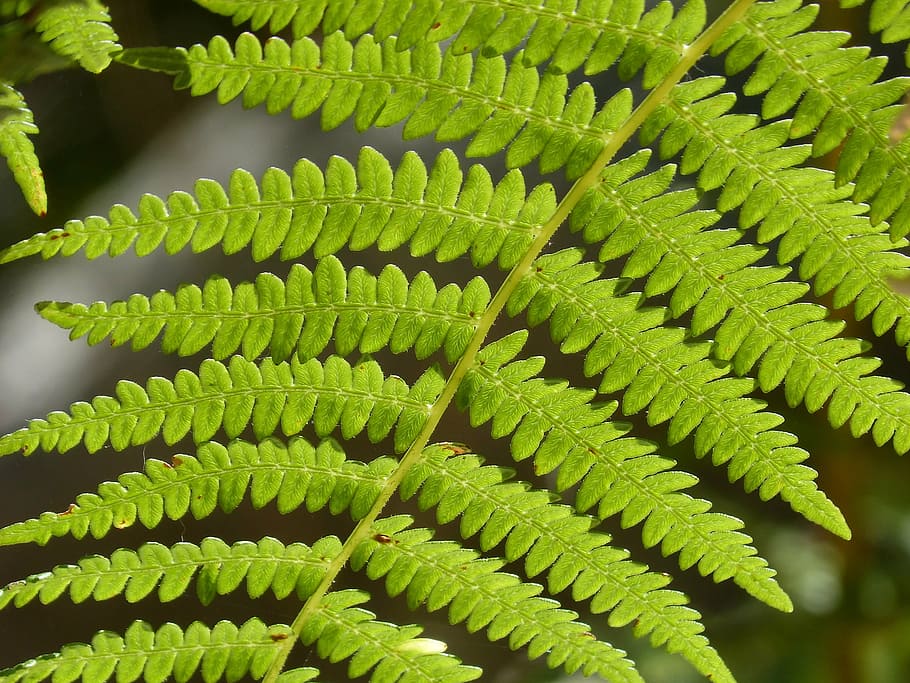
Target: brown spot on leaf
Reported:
[(70, 510), (278, 636), (384, 539)]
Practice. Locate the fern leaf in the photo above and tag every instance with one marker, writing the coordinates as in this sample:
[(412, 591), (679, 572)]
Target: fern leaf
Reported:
[(671, 376), (267, 396), (477, 593), (222, 651), (342, 630), (891, 18), (218, 477), (568, 35), (839, 247), (218, 569), (300, 315), (839, 98), (560, 428), (16, 124), (761, 323), (551, 538), (437, 211), (81, 31), (500, 104)]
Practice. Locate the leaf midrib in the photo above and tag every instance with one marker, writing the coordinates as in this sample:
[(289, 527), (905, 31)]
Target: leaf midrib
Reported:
[(696, 50)]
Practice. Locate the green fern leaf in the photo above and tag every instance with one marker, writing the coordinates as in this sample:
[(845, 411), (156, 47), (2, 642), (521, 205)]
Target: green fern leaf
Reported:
[(840, 248), (340, 630), (551, 538), (891, 18), (16, 124), (297, 316), (671, 376), (560, 428), (838, 98), (483, 597), (448, 94), (292, 475), (568, 35), (438, 211), (81, 31), (266, 396), (217, 568), (790, 342), (223, 651), (502, 76)]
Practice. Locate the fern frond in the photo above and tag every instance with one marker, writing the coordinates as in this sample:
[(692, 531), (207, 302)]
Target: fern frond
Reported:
[(761, 322), (16, 123), (674, 378), (222, 651), (299, 315), (550, 537), (340, 630), (264, 395), (891, 18), (500, 104), (568, 35), (80, 31), (442, 573), (838, 246), (437, 211), (218, 569), (839, 99), (560, 428), (218, 477)]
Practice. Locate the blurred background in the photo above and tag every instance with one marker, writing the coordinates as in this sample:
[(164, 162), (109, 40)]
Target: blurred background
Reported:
[(107, 139)]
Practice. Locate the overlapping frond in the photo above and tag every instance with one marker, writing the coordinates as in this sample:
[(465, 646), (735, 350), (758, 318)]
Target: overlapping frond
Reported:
[(223, 651), (552, 538), (838, 246), (217, 478), (838, 97), (341, 630), (218, 569), (266, 396), (441, 574), (81, 31), (761, 320), (568, 34), (501, 104), (299, 315), (675, 378), (890, 18), (559, 426), (439, 211), (16, 123)]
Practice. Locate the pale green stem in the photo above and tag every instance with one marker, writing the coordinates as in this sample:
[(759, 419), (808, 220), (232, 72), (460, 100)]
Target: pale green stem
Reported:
[(362, 530)]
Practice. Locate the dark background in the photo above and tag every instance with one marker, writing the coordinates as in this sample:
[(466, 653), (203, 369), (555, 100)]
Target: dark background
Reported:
[(108, 138)]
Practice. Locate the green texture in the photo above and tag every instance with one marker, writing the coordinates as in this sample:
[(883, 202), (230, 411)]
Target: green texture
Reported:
[(683, 244), (35, 38)]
